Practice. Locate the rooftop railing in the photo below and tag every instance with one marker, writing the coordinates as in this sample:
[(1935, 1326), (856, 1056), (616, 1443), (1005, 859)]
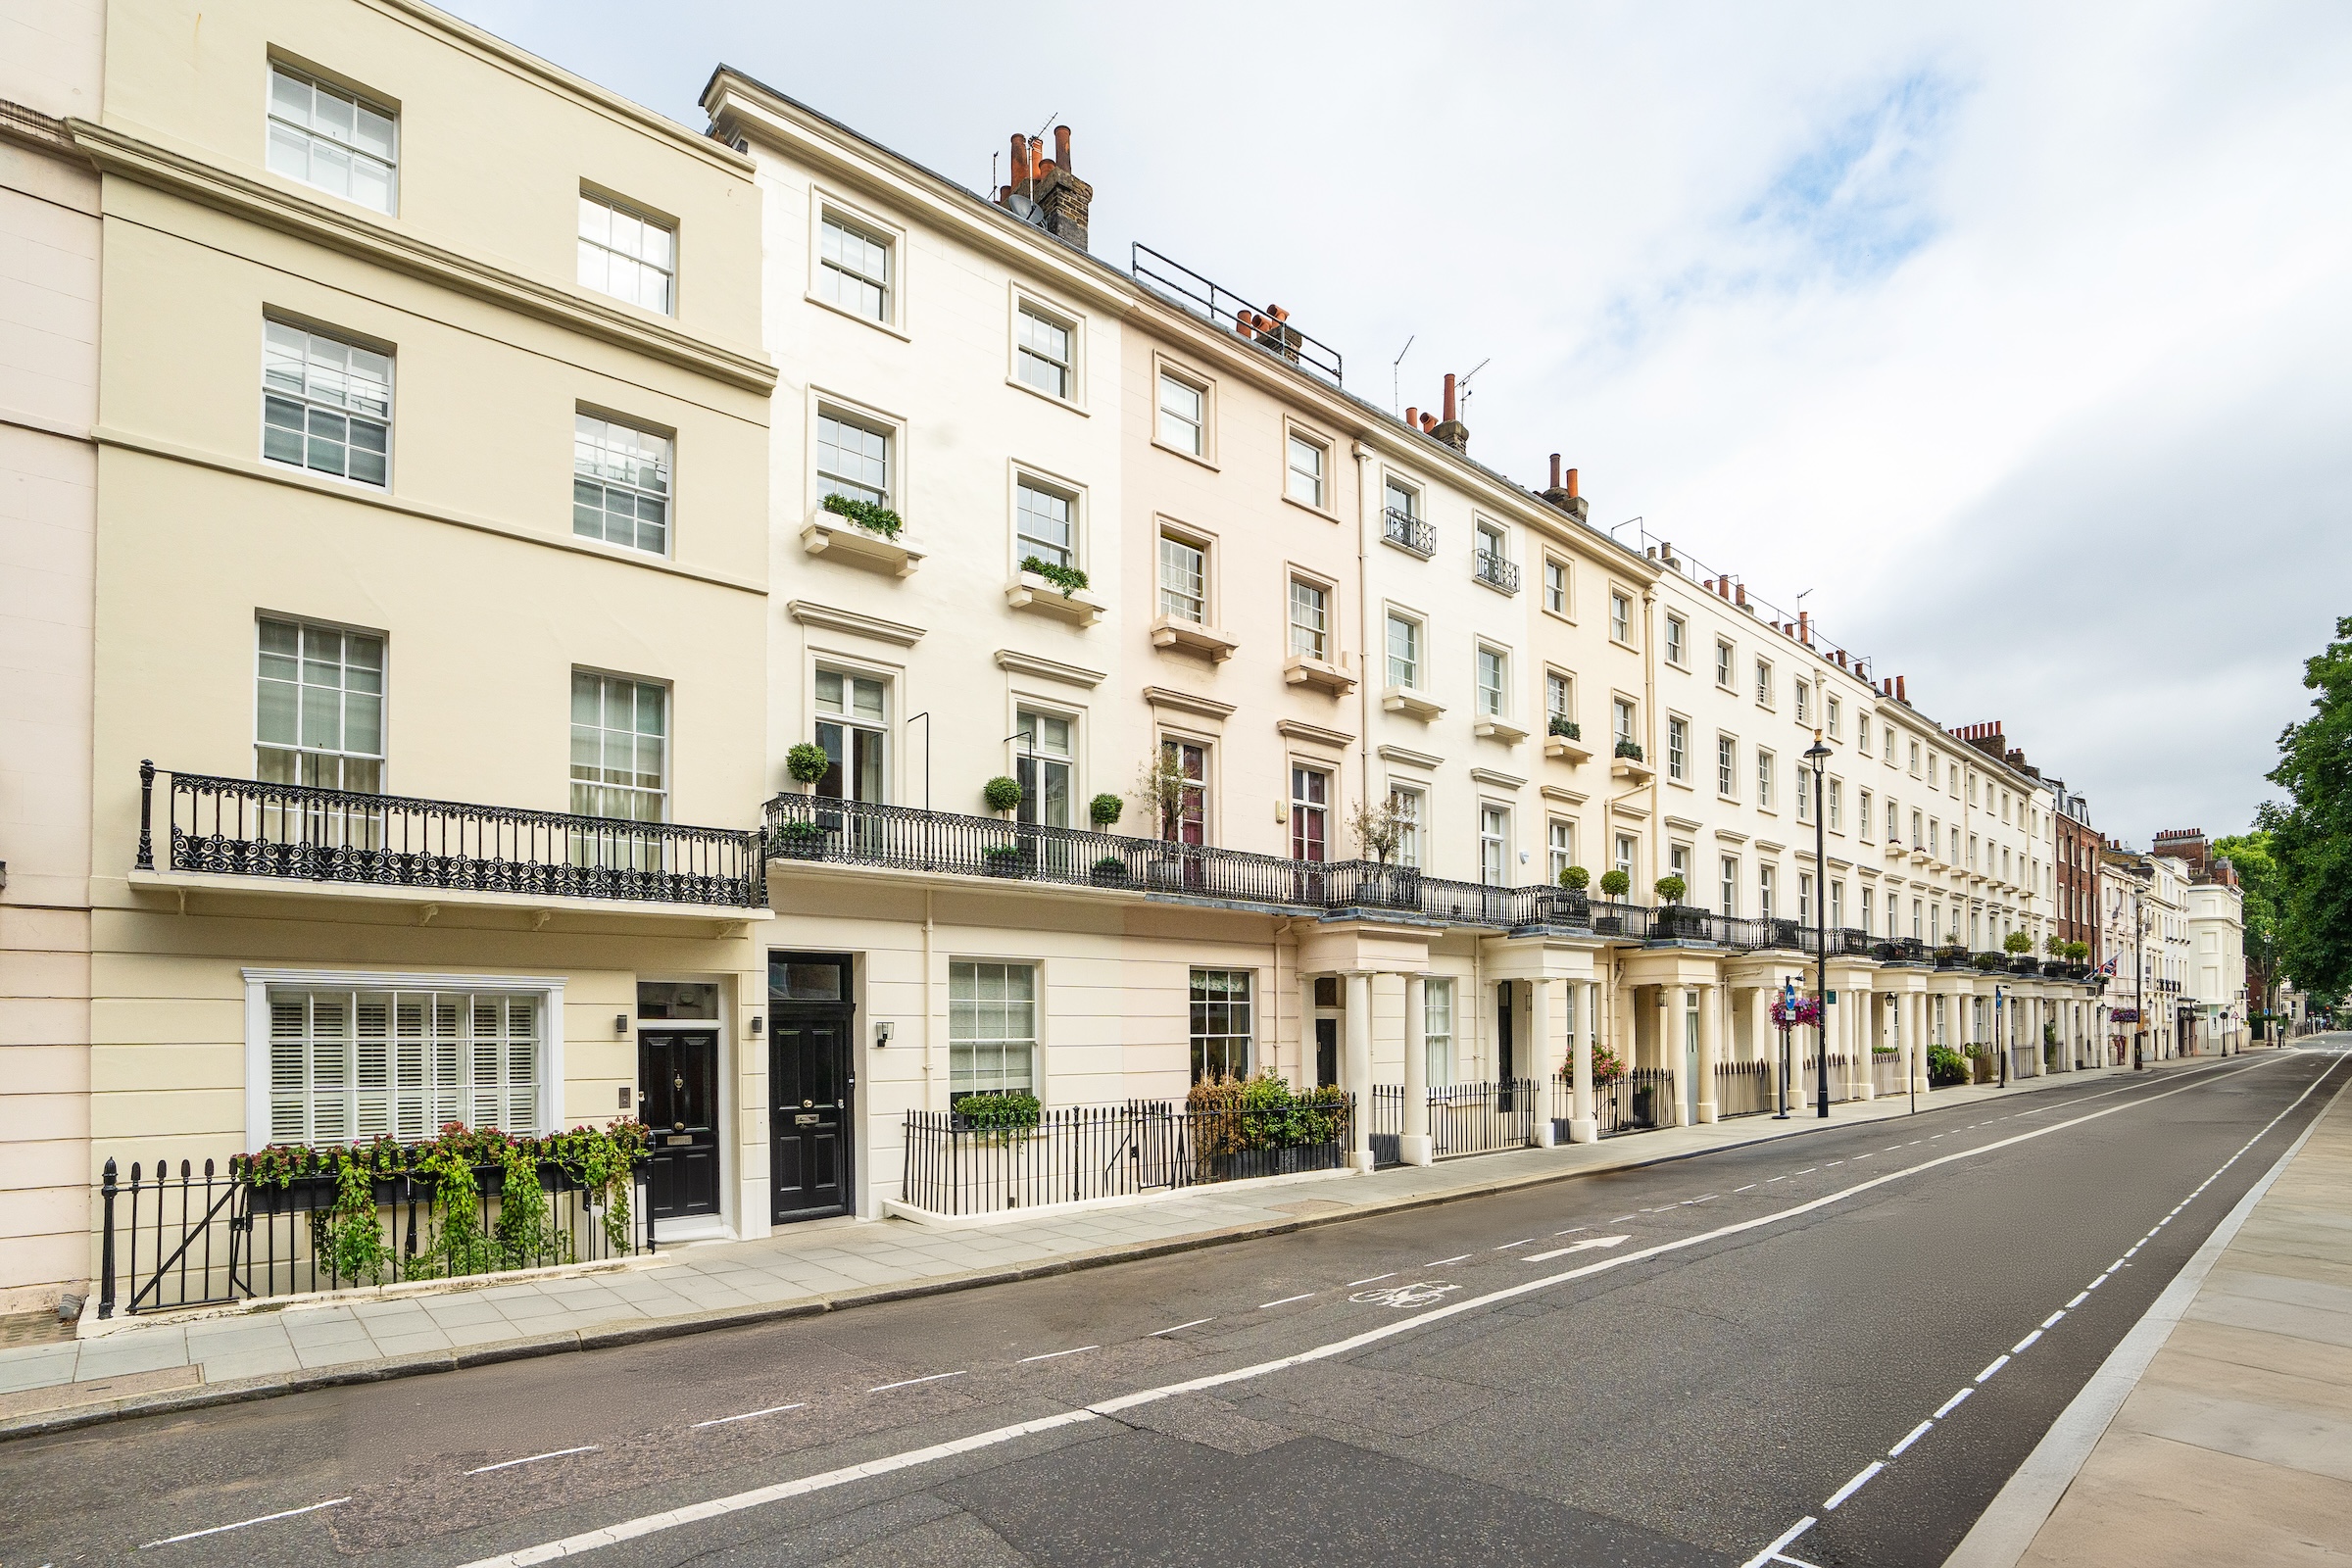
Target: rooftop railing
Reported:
[(1268, 329)]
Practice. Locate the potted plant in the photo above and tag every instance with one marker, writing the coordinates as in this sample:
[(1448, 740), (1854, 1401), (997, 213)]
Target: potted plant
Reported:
[(1946, 1067), (1565, 727), (1985, 962), (870, 516), (801, 841), (1615, 884), (1576, 878), (1630, 749), (1001, 792), (1109, 871), (1104, 812), (1069, 579), (808, 762), (1003, 859), (1673, 920), (999, 1116)]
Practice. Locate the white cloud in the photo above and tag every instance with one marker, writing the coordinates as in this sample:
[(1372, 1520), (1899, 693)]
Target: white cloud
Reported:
[(2016, 333)]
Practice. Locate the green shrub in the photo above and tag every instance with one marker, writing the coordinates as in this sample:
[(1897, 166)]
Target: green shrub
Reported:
[(866, 514), (2018, 942), (1576, 878), (1615, 884), (1069, 579), (1003, 793), (999, 1115), (1946, 1066), (1105, 810), (808, 762), (1671, 889)]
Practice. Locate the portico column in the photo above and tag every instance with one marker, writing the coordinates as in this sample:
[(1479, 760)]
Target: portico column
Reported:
[(1584, 1127), (1674, 1002), (1538, 1060), (1413, 1148), (1866, 1041), (1709, 1004), (1915, 1027), (1760, 1035), (1359, 1064)]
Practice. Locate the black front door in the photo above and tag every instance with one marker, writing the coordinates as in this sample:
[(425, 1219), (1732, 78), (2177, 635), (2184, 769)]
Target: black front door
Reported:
[(677, 1098), (1502, 1042), (1327, 1051), (810, 1085)]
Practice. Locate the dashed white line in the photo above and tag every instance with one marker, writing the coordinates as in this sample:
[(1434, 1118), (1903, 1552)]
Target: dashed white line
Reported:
[(284, 1513), (534, 1458), (1194, 1324), (1953, 1404), (1854, 1486), (1285, 1300), (2095, 1284), (908, 1382), (1352, 1283), (750, 1415), (2080, 1297), (2025, 1343), (1439, 1263), (1751, 1186), (1055, 1355), (1998, 1363), (1916, 1433), (1508, 1246), (1768, 1181), (2053, 1319), (1774, 1551), (1571, 1230), (1807, 1171)]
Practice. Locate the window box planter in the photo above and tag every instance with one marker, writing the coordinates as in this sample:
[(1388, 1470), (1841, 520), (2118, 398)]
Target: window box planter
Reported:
[(1191, 637), (1006, 860), (1030, 592), (837, 538), (1566, 748), (1329, 679), (1676, 922), (802, 841), (1609, 926), (1108, 872), (1411, 703), (1492, 728)]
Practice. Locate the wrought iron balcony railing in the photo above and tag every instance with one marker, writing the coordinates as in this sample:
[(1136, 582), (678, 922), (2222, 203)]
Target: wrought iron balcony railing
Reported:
[(1270, 328), (1494, 571), (242, 828), (1413, 533)]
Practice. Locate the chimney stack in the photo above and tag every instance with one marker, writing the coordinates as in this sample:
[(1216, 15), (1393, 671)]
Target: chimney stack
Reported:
[(1562, 491), (1451, 431), (1804, 627), (1043, 192), (1901, 694), (1742, 598), (1723, 587)]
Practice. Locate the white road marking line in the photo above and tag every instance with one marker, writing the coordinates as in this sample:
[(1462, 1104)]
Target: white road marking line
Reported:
[(1808, 1170), (2080, 1297), (284, 1513), (1508, 1246), (1285, 1300), (2053, 1319), (1710, 1199), (2095, 1284), (1793, 1562), (2025, 1343), (1352, 1283), (1953, 1404), (908, 1382), (1194, 1324), (2133, 1247), (1998, 1363), (1621, 1219), (1588, 1243), (1769, 1180), (552, 1453), (1571, 1230), (1774, 1551), (1890, 1149), (718, 1507), (1055, 1355), (1916, 1433), (1835, 1163), (1442, 1261), (1854, 1486), (1748, 1188), (773, 1410)]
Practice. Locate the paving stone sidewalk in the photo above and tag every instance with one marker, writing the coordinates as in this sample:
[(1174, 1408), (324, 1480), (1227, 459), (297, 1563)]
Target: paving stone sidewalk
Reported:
[(158, 1364), (2235, 1444)]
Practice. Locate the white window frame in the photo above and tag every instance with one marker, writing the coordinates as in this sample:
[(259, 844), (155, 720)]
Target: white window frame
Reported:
[(1317, 637), (826, 208), (1764, 686), (659, 445), (1621, 616), (1494, 843), (1410, 801), (1677, 630), (1559, 588), (1178, 554), (1024, 477), (1728, 884), (258, 983), (313, 138), (1559, 843), (1678, 748), (1803, 690), (342, 753), (1419, 640), (856, 418), (610, 253), (667, 793), (1494, 696), (1203, 447), (1033, 1040), (307, 402), (1727, 767), (1725, 656), (1767, 763), (1025, 308), (1248, 1006), (1296, 436)]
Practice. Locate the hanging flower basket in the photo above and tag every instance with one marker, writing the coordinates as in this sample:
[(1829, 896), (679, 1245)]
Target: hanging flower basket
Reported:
[(1805, 1014)]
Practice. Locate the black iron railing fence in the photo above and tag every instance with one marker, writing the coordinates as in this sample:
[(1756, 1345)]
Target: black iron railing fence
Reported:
[(1401, 527), (174, 1235), (819, 827), (1493, 571), (1091, 1151), (244, 827)]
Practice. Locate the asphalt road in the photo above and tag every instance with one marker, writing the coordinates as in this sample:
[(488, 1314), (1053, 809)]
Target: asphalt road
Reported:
[(1674, 1365)]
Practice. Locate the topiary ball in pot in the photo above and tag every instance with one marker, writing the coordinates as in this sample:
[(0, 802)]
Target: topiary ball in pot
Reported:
[(1003, 793), (807, 762), (1576, 878), (1105, 810), (1615, 884)]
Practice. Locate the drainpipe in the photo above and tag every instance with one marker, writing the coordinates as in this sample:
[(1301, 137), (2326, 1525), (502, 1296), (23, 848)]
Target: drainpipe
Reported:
[(1363, 628)]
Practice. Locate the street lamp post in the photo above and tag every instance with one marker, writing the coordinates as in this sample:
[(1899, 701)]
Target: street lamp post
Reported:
[(1817, 756)]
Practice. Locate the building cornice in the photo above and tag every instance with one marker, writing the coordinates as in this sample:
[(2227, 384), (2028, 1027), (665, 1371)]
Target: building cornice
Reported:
[(831, 619), (254, 201), (1017, 663)]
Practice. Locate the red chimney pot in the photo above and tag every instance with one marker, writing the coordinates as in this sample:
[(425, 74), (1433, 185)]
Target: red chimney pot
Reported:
[(1061, 146), (1555, 470), (1572, 484), (1449, 415)]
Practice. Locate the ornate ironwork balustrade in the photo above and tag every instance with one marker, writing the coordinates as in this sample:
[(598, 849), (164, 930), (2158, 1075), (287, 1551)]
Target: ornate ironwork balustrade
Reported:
[(244, 827)]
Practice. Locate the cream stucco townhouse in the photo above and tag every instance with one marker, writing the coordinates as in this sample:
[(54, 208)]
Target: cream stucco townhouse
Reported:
[(432, 454)]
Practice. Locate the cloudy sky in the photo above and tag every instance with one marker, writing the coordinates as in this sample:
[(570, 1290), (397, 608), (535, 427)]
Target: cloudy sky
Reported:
[(2020, 336)]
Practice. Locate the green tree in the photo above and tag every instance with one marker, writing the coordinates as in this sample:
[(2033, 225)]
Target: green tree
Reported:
[(2249, 853), (2311, 835)]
